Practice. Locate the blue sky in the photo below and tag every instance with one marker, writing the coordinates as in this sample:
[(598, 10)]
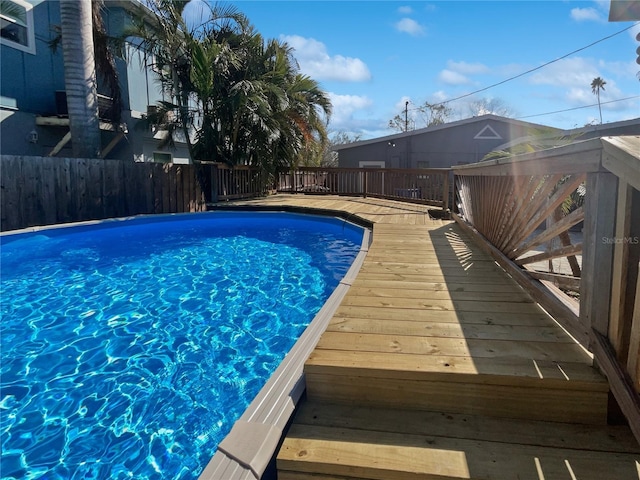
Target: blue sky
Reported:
[(373, 56)]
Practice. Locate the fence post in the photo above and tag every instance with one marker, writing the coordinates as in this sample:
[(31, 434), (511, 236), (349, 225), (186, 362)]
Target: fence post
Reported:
[(214, 184), (597, 254), (445, 192), (366, 186)]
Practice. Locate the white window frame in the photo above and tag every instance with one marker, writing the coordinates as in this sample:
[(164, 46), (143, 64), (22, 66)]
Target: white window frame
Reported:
[(160, 152), (371, 164), (31, 37)]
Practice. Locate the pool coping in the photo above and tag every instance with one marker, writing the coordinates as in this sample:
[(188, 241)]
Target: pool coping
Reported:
[(248, 449)]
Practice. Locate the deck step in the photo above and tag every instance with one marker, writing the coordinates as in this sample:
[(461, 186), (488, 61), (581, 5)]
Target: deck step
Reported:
[(331, 441), (509, 387)]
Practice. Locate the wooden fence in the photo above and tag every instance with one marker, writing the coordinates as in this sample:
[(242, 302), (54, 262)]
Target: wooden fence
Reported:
[(514, 205), (48, 190), (427, 186)]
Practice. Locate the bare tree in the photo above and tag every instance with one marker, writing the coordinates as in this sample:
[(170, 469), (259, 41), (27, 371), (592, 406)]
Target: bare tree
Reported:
[(330, 158), (427, 115), (493, 106)]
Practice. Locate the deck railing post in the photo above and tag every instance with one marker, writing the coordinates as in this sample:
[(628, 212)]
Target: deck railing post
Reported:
[(366, 186), (445, 191), (214, 183), (597, 255)]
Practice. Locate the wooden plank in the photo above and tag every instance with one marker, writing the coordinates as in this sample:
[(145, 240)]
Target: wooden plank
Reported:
[(180, 193), (48, 191), (562, 281), (63, 189), (440, 305), (597, 255), (621, 384), (173, 188), (434, 337), (454, 296), (11, 211), (60, 145), (541, 399), (414, 282), (95, 192), (622, 158), (556, 253), (456, 369), (365, 453), (577, 157), (633, 360), (487, 318), (522, 432), (548, 348), (111, 188), (156, 176), (166, 189), (621, 259)]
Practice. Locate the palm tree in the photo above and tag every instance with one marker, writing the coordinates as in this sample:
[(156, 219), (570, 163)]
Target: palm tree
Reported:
[(170, 44), (596, 85), (243, 96), (80, 77)]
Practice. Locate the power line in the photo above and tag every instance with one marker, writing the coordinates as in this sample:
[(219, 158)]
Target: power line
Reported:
[(538, 67), (578, 108)]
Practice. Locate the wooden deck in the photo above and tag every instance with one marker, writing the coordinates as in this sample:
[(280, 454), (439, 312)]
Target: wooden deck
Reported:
[(437, 365)]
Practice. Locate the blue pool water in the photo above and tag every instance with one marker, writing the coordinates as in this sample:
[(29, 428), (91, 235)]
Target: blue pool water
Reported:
[(129, 348)]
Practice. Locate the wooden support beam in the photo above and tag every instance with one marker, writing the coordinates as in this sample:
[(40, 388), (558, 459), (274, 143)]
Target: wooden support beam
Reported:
[(623, 267), (562, 281), (114, 141), (633, 360), (558, 252), (597, 253), (621, 384), (60, 145)]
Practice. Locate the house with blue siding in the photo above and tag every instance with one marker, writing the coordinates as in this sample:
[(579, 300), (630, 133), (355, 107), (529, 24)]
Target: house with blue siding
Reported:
[(33, 115)]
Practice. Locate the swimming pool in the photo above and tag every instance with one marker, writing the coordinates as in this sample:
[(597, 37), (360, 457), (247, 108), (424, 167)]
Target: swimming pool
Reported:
[(129, 348)]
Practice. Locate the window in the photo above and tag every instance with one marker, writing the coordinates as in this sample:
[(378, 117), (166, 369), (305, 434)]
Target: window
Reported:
[(162, 157), (371, 164), (423, 163), (16, 25)]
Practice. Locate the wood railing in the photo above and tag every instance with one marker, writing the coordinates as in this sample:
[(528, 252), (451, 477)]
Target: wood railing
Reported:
[(427, 186), (233, 183), (579, 262)]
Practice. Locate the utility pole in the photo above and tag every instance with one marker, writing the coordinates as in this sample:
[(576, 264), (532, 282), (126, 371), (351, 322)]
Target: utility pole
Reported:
[(406, 116)]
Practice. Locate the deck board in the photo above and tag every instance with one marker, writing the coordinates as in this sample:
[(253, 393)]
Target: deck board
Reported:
[(437, 364)]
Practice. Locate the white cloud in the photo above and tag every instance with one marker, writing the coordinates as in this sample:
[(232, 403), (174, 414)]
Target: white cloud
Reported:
[(344, 108), (316, 62), (439, 97), (405, 10), (569, 72), (467, 68), (349, 103), (588, 14), (453, 78), (410, 26)]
